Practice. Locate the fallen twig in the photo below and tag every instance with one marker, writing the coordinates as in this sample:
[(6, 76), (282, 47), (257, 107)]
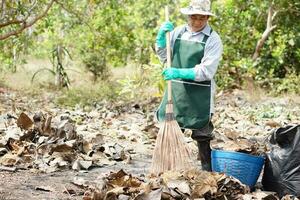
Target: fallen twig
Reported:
[(10, 169)]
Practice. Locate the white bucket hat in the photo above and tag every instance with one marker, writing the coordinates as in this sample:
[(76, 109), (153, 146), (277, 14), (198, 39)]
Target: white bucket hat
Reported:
[(200, 7)]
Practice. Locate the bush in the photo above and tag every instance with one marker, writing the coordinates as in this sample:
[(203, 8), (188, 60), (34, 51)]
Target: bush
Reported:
[(289, 84), (96, 64)]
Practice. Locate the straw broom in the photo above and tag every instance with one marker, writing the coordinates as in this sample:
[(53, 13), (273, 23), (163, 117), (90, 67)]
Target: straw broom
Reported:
[(171, 152)]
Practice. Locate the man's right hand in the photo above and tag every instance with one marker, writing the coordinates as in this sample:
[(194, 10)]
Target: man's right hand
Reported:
[(161, 35)]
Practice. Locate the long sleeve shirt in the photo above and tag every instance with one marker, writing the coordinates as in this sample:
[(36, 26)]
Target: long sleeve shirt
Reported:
[(207, 69)]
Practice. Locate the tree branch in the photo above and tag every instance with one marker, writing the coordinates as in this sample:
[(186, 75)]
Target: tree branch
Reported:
[(19, 21), (68, 10), (82, 19), (2, 9), (26, 24), (15, 21), (265, 35)]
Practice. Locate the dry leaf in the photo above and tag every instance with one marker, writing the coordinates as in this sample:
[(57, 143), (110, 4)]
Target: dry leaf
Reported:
[(153, 195), (9, 160), (272, 124), (24, 122)]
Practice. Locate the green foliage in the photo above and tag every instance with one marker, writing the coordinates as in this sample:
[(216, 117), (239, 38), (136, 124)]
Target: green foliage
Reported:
[(109, 29), (130, 86), (59, 57), (96, 64), (139, 84), (13, 52), (2, 80), (241, 24), (289, 84), (105, 34), (16, 31)]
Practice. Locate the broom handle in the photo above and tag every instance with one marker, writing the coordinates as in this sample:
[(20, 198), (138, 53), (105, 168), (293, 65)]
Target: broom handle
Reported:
[(168, 55)]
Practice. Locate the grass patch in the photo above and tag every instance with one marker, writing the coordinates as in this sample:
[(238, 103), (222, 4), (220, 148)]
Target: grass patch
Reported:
[(126, 84), (2, 81), (87, 95)]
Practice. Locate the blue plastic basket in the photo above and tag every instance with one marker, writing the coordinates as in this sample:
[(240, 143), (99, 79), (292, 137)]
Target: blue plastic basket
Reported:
[(242, 166)]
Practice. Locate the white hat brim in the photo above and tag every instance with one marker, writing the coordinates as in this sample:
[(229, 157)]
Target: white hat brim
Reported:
[(189, 11)]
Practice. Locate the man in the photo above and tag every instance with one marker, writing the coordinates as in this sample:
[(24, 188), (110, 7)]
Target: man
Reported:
[(196, 52)]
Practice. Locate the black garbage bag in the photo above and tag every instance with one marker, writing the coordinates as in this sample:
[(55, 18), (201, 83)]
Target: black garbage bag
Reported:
[(282, 166)]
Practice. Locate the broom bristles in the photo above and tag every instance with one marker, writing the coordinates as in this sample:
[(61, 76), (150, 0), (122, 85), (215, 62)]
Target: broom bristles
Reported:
[(171, 152)]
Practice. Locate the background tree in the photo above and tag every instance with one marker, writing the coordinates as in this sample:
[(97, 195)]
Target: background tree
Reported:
[(261, 38), (251, 48), (16, 17)]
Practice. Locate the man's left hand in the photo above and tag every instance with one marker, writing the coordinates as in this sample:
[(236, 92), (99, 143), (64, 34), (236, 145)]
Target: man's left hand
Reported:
[(174, 73)]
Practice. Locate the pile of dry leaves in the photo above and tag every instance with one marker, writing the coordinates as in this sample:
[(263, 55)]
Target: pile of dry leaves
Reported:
[(49, 145), (192, 184), (82, 140), (232, 141)]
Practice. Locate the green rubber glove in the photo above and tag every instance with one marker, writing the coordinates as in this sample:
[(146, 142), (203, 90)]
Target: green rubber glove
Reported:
[(174, 73), (161, 35)]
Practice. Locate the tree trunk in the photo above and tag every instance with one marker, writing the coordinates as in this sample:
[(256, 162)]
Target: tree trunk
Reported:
[(265, 35)]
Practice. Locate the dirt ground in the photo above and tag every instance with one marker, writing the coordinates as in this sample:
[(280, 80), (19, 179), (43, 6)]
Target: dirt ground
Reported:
[(26, 184), (234, 112)]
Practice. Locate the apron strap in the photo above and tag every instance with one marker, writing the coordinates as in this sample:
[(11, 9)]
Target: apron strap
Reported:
[(181, 33), (205, 38)]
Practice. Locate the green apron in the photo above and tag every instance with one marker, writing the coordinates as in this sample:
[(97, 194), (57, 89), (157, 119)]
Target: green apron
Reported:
[(191, 99)]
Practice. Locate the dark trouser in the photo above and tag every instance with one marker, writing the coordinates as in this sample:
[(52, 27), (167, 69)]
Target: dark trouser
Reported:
[(203, 137), (205, 134)]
